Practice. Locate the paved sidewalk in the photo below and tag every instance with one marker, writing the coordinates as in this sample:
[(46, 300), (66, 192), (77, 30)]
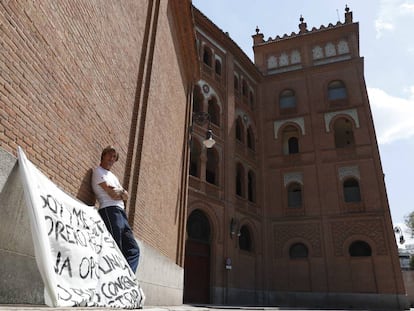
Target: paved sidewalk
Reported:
[(156, 308), (170, 308)]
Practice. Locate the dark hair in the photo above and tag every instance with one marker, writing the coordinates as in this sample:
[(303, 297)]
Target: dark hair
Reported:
[(109, 149)]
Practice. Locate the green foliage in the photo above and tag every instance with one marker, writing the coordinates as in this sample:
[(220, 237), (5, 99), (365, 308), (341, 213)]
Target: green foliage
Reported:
[(412, 262), (409, 221)]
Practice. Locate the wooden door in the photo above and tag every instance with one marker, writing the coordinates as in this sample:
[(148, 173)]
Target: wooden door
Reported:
[(197, 259), (197, 272)]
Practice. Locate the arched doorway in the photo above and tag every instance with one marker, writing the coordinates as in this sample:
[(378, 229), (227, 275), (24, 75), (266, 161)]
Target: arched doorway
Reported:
[(363, 274), (197, 259)]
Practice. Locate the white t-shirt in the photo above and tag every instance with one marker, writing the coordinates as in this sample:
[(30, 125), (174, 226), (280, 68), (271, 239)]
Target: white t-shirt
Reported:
[(99, 176)]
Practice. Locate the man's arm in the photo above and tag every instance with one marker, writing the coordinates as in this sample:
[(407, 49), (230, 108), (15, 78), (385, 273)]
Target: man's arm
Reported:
[(114, 193)]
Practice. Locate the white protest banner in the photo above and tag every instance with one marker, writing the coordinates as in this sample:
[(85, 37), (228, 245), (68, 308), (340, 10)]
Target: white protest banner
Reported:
[(78, 260)]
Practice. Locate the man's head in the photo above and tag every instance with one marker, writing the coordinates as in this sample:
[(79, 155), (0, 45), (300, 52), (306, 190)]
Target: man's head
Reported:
[(108, 157)]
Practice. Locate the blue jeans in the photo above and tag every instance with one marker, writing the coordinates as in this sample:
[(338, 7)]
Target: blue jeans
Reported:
[(116, 222)]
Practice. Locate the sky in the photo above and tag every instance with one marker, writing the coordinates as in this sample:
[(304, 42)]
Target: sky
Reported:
[(385, 34)]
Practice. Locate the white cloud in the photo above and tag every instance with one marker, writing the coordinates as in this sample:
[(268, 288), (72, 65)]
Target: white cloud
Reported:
[(381, 25), (390, 14), (408, 7), (393, 116)]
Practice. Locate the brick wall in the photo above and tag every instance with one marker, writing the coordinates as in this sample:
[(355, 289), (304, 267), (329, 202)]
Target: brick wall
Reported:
[(68, 85), (158, 195), (67, 82)]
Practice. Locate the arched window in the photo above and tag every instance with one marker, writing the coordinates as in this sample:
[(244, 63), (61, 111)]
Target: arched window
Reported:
[(250, 139), (293, 145), (197, 99), (294, 191), (360, 249), (298, 250), (214, 111), (217, 67), (337, 90), (251, 99), (239, 180), (244, 87), (251, 187), (344, 134), (236, 83), (207, 56), (212, 166), (195, 153), (290, 140), (198, 226), (287, 99), (352, 192), (245, 240), (239, 130)]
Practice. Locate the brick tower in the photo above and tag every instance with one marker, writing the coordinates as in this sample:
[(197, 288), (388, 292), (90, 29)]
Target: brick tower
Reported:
[(289, 206)]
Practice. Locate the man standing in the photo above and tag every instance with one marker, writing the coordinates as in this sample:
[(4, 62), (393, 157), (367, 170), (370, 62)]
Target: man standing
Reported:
[(111, 196)]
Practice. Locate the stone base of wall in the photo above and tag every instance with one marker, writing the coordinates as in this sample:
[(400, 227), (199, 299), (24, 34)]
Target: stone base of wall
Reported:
[(339, 300), (20, 283), (348, 301), (408, 276), (160, 278)]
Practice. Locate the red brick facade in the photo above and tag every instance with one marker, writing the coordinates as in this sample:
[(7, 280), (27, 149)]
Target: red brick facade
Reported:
[(298, 204), (76, 76), (279, 211)]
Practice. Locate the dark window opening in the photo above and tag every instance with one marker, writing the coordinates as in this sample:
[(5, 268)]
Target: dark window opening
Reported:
[(251, 187), (239, 180), (250, 139), (337, 90), (218, 67), (251, 99), (198, 226), (360, 249), (351, 189), (236, 83), (293, 145), (207, 56), (290, 135), (245, 241), (214, 111), (298, 250), (294, 195), (195, 153), (244, 87), (287, 99), (212, 166), (239, 130), (197, 99)]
